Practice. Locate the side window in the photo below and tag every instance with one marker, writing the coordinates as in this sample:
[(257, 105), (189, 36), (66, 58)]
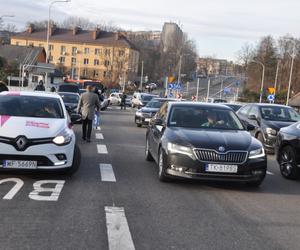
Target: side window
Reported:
[(254, 111), (245, 110)]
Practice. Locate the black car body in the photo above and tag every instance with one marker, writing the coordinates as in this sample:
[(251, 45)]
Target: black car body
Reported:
[(71, 101), (144, 115), (267, 119), (235, 107), (183, 148), (69, 87), (288, 151)]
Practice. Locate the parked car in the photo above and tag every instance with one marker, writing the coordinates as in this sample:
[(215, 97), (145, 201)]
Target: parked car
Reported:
[(141, 99), (115, 98), (104, 104), (71, 101), (68, 87), (151, 86), (288, 151), (216, 100), (128, 100), (36, 133), (267, 119), (81, 91), (204, 141), (144, 115), (235, 107)]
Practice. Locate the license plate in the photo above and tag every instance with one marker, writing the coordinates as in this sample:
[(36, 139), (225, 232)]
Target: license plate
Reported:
[(147, 120), (219, 168), (20, 164)]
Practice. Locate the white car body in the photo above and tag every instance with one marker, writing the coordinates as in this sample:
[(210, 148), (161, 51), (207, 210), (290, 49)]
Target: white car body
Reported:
[(39, 134), (115, 98)]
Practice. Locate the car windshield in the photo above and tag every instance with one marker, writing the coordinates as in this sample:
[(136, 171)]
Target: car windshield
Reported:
[(31, 106), (278, 113), (154, 104), (147, 98), (204, 118), (69, 88), (68, 98)]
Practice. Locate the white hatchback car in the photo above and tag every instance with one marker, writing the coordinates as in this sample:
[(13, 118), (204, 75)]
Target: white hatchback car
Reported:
[(36, 133), (115, 98)]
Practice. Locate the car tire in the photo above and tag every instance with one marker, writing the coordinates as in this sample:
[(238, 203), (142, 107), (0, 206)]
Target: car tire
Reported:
[(148, 155), (287, 163), (162, 167), (76, 162)]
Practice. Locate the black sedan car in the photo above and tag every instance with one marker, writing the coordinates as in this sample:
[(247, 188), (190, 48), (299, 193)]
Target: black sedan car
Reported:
[(71, 101), (204, 141), (267, 119), (288, 151), (144, 115)]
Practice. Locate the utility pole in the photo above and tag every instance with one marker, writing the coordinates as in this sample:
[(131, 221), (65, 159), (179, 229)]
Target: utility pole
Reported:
[(291, 74), (198, 85), (221, 91), (208, 88), (276, 78), (262, 80), (142, 76)]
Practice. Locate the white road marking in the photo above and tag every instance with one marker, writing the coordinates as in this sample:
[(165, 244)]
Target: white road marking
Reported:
[(99, 136), (107, 173), (98, 128), (15, 189), (269, 173), (102, 149), (54, 192), (118, 232)]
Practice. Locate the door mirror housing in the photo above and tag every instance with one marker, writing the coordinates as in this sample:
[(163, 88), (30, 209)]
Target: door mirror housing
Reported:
[(250, 127), (252, 117), (158, 122)]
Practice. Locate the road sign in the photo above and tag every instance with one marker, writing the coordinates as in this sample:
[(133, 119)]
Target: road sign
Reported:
[(170, 86), (238, 83), (171, 95), (227, 90), (271, 90), (177, 86), (271, 98)]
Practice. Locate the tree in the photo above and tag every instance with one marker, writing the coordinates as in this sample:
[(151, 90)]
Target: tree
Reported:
[(74, 21), (245, 55)]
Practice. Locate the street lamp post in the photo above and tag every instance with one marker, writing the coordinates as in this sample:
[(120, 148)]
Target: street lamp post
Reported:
[(276, 77), (48, 26), (262, 79), (293, 55), (142, 76)]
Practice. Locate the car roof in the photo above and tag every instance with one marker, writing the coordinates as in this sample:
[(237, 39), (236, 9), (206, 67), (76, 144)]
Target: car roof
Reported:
[(68, 93), (200, 104), (31, 93), (268, 105), (164, 99)]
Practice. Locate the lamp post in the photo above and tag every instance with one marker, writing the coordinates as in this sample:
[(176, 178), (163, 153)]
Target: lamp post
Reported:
[(48, 26), (262, 79), (293, 55)]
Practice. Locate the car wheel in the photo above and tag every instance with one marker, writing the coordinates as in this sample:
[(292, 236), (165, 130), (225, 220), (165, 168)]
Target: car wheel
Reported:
[(148, 155), (76, 162), (287, 163), (162, 168)]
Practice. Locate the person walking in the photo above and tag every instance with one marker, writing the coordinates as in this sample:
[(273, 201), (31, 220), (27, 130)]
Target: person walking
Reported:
[(123, 101), (88, 104)]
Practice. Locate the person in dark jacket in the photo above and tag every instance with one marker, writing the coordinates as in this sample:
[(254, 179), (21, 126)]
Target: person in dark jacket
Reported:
[(3, 87), (40, 86), (123, 101)]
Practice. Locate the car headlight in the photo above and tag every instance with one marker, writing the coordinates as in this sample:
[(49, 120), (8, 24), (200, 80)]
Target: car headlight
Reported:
[(257, 153), (271, 131), (63, 138), (178, 149), (138, 113)]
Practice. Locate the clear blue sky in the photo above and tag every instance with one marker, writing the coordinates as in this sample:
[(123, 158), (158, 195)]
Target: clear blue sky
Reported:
[(219, 27)]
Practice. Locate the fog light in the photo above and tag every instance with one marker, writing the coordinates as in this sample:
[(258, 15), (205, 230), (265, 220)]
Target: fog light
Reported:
[(178, 169), (257, 172), (61, 157)]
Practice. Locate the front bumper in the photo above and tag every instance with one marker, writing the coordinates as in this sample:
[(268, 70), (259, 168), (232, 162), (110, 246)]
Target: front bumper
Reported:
[(142, 120), (46, 155), (269, 143), (251, 170)]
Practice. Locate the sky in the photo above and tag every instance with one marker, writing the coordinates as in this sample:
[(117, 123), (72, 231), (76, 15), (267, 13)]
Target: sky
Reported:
[(219, 27)]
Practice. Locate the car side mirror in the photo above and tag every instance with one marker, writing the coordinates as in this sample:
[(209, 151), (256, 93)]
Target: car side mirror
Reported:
[(252, 117), (158, 122), (250, 127)]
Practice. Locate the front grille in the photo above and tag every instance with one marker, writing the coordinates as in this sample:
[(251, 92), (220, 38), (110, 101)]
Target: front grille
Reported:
[(207, 155)]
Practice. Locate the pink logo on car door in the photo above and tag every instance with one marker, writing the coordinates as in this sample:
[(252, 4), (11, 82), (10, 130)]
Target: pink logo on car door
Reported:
[(3, 119)]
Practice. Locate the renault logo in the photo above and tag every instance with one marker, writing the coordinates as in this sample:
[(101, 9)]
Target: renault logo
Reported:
[(21, 142), (222, 149)]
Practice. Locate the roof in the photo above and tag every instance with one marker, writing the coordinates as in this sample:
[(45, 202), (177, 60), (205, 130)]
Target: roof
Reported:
[(31, 93), (267, 105), (81, 37), (20, 53), (200, 104)]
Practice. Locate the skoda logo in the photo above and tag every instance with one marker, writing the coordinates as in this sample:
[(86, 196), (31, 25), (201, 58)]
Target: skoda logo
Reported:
[(221, 149), (21, 142)]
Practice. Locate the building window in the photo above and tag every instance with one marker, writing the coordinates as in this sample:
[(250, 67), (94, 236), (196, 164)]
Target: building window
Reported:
[(95, 74), (107, 52), (62, 50), (50, 58), (50, 47), (96, 62), (73, 61), (35, 78), (17, 43), (121, 53), (30, 44), (86, 50), (97, 51), (41, 45), (74, 51), (104, 73), (85, 72), (85, 61), (62, 59), (106, 63)]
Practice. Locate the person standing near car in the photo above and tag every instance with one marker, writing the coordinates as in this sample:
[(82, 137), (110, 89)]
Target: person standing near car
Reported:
[(88, 104), (123, 101)]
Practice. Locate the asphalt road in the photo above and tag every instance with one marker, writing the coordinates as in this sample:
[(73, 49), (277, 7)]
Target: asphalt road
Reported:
[(122, 205)]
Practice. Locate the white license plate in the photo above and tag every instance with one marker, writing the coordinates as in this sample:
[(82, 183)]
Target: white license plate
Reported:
[(20, 164), (147, 119), (219, 168)]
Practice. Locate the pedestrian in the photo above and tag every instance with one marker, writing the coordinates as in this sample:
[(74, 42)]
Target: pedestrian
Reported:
[(3, 87), (88, 104), (53, 89), (40, 86), (123, 101)]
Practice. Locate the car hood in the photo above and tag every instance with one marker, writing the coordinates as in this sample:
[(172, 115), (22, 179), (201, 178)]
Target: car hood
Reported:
[(277, 125), (149, 110), (31, 127), (212, 139)]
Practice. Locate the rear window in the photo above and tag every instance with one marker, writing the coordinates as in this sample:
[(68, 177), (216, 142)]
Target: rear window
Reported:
[(70, 98), (31, 106), (147, 98), (68, 88)]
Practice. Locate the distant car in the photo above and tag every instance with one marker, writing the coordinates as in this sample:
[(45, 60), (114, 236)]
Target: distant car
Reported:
[(115, 98), (216, 100), (267, 119), (144, 115), (81, 91), (128, 100), (71, 101), (141, 99), (36, 133), (151, 86), (205, 142), (234, 106), (68, 87), (104, 104)]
